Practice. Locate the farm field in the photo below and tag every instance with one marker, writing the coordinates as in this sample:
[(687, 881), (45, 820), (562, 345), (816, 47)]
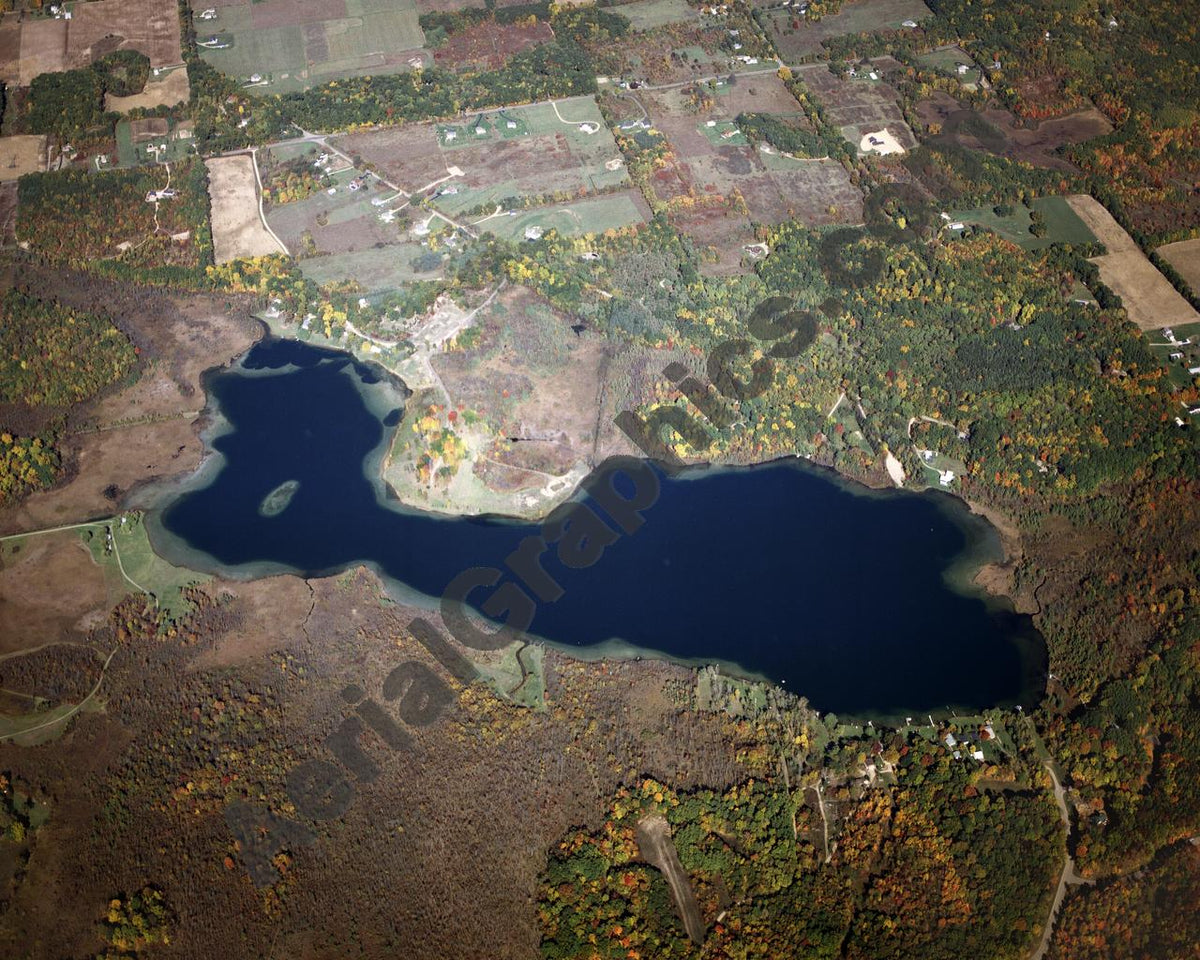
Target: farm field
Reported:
[(795, 38), (1149, 298), (21, 155), (489, 45), (293, 44), (859, 106), (1063, 224), (96, 29), (237, 229), (1184, 256)]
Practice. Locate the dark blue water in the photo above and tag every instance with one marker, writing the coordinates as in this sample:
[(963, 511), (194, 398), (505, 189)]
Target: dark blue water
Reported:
[(779, 568)]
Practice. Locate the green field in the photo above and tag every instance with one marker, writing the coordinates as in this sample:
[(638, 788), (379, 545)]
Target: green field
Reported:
[(648, 14), (1062, 223), (569, 219), (386, 268), (370, 39)]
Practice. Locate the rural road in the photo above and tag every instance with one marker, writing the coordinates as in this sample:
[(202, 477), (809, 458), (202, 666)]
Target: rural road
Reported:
[(1068, 877), (658, 849)]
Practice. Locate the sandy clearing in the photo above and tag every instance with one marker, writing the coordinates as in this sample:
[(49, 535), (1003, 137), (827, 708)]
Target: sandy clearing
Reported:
[(887, 142), (1184, 256), (1150, 299), (21, 155), (165, 91), (895, 468), (237, 229)]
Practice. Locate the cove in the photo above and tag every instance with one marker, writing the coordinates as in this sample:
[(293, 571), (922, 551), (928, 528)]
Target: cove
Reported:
[(852, 598)]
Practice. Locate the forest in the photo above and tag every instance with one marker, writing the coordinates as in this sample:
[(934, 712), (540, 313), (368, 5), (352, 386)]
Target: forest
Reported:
[(919, 868), (79, 216)]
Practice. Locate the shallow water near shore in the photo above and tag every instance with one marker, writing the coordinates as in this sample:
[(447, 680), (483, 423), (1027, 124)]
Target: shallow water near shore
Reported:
[(859, 600)]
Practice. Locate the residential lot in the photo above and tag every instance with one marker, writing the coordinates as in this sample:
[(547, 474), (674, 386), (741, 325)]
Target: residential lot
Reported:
[(1149, 298), (797, 39), (716, 185), (292, 44), (1063, 224), (504, 157)]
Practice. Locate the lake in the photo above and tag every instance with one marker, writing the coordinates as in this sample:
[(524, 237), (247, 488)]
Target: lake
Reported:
[(855, 599)]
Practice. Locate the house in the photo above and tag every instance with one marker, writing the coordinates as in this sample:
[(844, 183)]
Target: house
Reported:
[(950, 740), (1179, 422), (1175, 356), (946, 477), (1194, 371), (911, 24), (962, 68), (534, 233), (956, 225), (978, 755), (451, 135)]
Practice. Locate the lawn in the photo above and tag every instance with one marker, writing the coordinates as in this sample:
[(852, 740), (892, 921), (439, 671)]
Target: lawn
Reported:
[(859, 16), (1063, 225), (947, 61)]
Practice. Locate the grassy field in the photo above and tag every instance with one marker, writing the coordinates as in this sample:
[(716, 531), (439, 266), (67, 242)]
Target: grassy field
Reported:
[(132, 566), (569, 219), (1184, 256), (386, 268), (648, 14), (859, 16), (283, 42), (1063, 225)]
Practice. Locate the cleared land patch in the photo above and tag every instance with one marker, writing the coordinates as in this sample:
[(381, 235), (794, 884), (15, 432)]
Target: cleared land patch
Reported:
[(233, 192), (289, 45), (860, 106), (21, 155), (163, 91), (795, 37), (1149, 298)]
